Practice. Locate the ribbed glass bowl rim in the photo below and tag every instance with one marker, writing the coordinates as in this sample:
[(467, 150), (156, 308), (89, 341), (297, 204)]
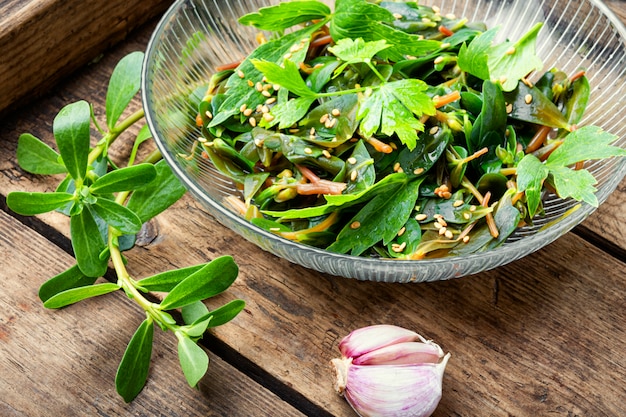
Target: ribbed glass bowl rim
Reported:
[(465, 265)]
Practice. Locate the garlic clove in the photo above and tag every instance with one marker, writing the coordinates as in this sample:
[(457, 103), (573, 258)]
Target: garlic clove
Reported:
[(402, 354), (391, 390), (370, 338)]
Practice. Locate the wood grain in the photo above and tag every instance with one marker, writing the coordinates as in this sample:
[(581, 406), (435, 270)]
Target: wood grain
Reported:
[(42, 41), (63, 362)]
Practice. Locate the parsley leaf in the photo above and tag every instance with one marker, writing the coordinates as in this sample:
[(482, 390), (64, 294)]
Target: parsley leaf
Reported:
[(506, 62), (285, 15), (586, 143), (287, 76), (357, 50), (395, 108)]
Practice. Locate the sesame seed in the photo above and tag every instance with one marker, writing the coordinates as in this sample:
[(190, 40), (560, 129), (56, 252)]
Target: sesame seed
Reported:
[(528, 98), (393, 145), (202, 139), (438, 60), (330, 123), (472, 208), (442, 230), (466, 216), (326, 153), (448, 234), (437, 225), (287, 55), (351, 160), (240, 74), (308, 151), (258, 86), (208, 114), (354, 175), (252, 121), (418, 171), (436, 9), (264, 109), (275, 87), (274, 229), (445, 45), (510, 51), (421, 217), (426, 20), (509, 108), (250, 83), (247, 112), (268, 117), (446, 195), (466, 239), (397, 16), (266, 93), (243, 107), (336, 112), (396, 166), (312, 131), (324, 118), (270, 100), (450, 16), (401, 231), (398, 247), (355, 225), (457, 203), (441, 221), (433, 130)]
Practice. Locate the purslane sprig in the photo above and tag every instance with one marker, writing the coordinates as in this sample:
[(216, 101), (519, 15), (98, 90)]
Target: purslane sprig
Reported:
[(107, 205)]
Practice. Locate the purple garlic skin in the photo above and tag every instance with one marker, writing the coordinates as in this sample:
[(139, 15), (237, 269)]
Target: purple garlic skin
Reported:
[(389, 371)]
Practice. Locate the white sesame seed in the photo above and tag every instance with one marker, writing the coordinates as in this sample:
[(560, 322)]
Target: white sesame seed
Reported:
[(240, 74), (448, 234), (252, 121), (308, 151), (355, 225), (457, 203), (510, 51), (351, 160), (336, 112), (354, 175), (268, 117), (528, 98), (401, 231), (420, 217), (326, 154)]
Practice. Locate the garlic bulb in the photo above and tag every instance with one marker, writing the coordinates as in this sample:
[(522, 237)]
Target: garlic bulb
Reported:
[(389, 371)]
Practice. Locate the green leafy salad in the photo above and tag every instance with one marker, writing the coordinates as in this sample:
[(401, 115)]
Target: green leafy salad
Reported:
[(393, 130)]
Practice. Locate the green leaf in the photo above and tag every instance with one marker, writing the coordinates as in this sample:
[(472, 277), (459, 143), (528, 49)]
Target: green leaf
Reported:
[(288, 76), (36, 157), (132, 371), (118, 216), (226, 313), (353, 51), (194, 312), (289, 112), (88, 244), (71, 131), (362, 19), (124, 179), (193, 359), (531, 173), (158, 195), (214, 278), (30, 204), (541, 110), (285, 15), (71, 278), (165, 281), (379, 220), (74, 295), (395, 108), (577, 184), (123, 86), (474, 58), (585, 143)]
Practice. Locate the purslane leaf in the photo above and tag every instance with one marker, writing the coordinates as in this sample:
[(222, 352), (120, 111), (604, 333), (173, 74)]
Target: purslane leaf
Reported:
[(37, 157), (123, 86), (88, 244), (71, 131), (165, 281), (124, 179), (75, 295), (193, 359), (150, 200), (118, 216), (225, 313), (215, 277), (32, 203), (285, 15), (132, 371), (68, 279)]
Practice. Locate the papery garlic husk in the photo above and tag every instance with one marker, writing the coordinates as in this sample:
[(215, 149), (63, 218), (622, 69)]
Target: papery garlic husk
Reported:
[(395, 372)]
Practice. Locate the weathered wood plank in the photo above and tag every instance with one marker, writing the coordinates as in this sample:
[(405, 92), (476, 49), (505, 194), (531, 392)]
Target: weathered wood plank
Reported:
[(63, 363), (44, 40)]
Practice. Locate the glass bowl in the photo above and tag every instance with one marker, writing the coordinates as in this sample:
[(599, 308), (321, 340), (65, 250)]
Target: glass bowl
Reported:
[(195, 36)]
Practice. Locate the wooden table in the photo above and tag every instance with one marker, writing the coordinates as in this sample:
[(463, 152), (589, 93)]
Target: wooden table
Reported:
[(543, 336)]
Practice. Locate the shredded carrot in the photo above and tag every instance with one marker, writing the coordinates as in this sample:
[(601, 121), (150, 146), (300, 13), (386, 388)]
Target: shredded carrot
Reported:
[(491, 222), (445, 31), (539, 139), (321, 41), (577, 75), (307, 173), (379, 145), (579, 165), (321, 187), (199, 120), (441, 101), (228, 66)]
